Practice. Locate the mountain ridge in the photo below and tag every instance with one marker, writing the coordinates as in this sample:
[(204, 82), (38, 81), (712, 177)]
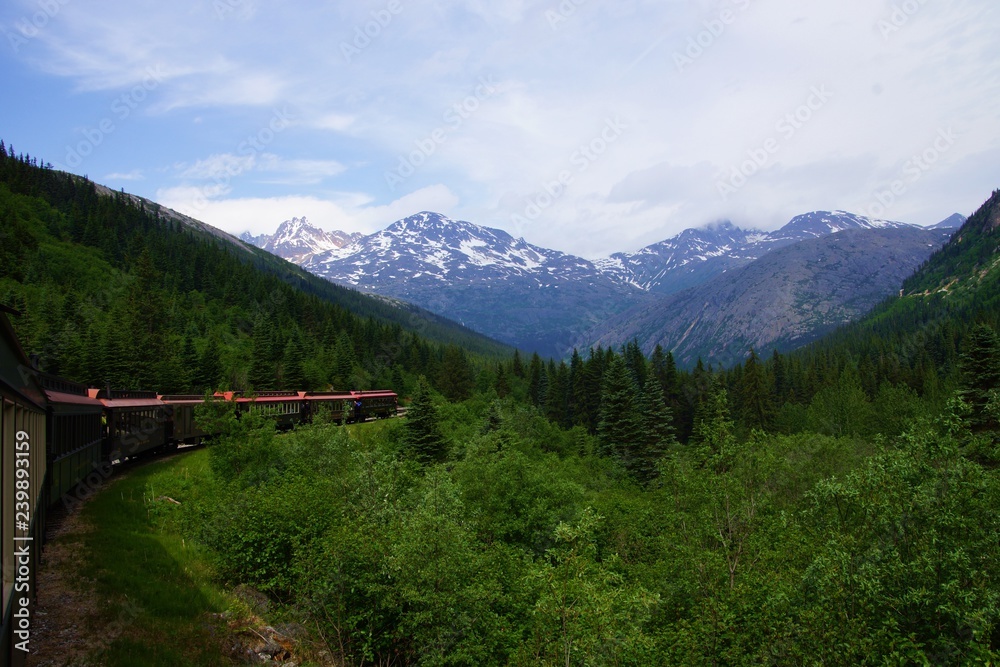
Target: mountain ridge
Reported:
[(787, 298), (541, 299)]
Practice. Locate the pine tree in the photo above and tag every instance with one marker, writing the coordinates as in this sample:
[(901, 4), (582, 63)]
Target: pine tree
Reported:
[(619, 431), (516, 365), (556, 401), (713, 426), (535, 371), (455, 375), (189, 364), (262, 373), (294, 376), (344, 360), (980, 366), (657, 428), (502, 384), (209, 371), (755, 395), (422, 433), (636, 362)]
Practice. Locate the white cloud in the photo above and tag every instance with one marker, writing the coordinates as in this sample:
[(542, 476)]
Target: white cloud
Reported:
[(557, 84), (134, 175), (350, 212)]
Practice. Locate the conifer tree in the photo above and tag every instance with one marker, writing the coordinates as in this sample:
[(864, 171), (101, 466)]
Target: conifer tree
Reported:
[(294, 376), (343, 368), (619, 431), (209, 368), (754, 394), (501, 383), (516, 365), (713, 425), (636, 362), (980, 366), (189, 363), (422, 434), (261, 375), (657, 429), (556, 401), (535, 373), (576, 370), (455, 375)]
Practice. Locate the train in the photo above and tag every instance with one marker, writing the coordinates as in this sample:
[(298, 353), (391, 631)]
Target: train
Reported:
[(59, 435)]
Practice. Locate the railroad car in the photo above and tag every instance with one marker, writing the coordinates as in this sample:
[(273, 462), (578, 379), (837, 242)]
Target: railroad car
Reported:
[(56, 434), (335, 404), (181, 426), (136, 422), (22, 492), (285, 407), (377, 404), (75, 435)]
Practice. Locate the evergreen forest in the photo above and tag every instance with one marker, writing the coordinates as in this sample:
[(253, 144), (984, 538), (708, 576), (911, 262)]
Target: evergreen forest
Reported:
[(838, 505)]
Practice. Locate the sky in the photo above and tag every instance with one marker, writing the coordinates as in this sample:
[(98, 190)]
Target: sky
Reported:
[(585, 126)]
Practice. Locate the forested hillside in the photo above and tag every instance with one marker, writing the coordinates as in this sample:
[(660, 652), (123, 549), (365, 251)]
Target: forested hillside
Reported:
[(113, 291), (829, 507), (839, 505), (917, 338)]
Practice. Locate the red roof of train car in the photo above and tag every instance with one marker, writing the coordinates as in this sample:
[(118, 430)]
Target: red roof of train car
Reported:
[(376, 393), (71, 399), (125, 402)]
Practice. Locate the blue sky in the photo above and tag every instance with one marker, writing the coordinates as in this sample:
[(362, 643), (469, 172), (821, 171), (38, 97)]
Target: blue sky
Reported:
[(586, 126)]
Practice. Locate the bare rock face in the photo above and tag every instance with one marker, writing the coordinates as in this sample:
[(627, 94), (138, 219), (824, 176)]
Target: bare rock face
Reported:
[(543, 300), (786, 299)]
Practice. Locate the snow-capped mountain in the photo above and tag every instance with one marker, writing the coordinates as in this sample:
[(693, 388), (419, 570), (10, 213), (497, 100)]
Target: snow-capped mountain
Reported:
[(697, 255), (485, 278), (783, 300), (532, 297), (953, 222), (431, 247), (297, 239)]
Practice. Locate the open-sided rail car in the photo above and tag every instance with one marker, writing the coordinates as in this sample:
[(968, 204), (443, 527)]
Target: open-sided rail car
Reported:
[(22, 489), (336, 405), (181, 427), (285, 407), (75, 435), (376, 404), (136, 422)]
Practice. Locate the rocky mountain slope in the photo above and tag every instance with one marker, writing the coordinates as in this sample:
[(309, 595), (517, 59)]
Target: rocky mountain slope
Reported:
[(697, 255), (513, 291), (786, 299), (297, 240), (531, 297)]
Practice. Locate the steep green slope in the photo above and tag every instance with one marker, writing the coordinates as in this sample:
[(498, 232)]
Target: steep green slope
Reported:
[(430, 325), (916, 337), (784, 300), (113, 292)]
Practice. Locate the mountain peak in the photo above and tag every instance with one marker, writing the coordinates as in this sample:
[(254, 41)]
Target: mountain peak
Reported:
[(297, 239), (953, 221)]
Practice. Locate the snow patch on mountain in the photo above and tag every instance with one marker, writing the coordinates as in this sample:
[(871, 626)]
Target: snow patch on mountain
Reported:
[(297, 239)]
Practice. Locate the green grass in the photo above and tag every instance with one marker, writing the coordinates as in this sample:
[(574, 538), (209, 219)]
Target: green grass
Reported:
[(153, 585)]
